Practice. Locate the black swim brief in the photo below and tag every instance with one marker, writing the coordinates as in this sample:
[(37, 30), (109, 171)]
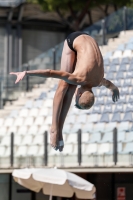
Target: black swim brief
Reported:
[(70, 38)]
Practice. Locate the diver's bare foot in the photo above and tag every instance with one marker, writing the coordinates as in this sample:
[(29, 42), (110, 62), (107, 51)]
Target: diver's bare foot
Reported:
[(54, 138)]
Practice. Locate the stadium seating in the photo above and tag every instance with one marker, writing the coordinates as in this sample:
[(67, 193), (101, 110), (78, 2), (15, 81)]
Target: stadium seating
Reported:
[(34, 117)]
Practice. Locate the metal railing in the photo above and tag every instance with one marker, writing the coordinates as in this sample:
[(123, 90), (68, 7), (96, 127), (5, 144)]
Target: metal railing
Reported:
[(45, 158)]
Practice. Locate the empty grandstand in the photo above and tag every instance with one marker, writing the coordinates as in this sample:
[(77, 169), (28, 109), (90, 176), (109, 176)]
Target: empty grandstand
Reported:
[(96, 124)]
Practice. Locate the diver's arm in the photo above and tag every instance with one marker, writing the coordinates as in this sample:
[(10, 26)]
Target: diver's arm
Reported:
[(47, 73), (108, 84)]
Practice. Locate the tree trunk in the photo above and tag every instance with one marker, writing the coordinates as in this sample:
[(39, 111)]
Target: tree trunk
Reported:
[(82, 15), (106, 10), (64, 21), (90, 17), (71, 11), (115, 7)]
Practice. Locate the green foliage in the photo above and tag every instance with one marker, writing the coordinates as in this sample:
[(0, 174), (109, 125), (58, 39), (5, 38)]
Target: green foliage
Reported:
[(130, 4), (51, 5), (32, 1), (73, 6)]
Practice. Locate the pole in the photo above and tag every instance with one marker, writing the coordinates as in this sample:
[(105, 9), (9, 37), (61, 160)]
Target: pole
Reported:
[(115, 146), (12, 148), (9, 47), (45, 148), (113, 186), (125, 18), (27, 79), (54, 59), (103, 27), (33, 195), (79, 148), (51, 191), (19, 46), (10, 187), (1, 100)]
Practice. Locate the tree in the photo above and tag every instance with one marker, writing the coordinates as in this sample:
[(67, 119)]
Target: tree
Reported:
[(78, 9)]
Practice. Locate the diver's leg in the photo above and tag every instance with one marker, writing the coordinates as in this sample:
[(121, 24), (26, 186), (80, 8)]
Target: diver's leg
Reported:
[(65, 107), (67, 64)]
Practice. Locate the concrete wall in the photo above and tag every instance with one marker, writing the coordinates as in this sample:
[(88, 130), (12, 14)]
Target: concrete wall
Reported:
[(19, 195), (35, 42)]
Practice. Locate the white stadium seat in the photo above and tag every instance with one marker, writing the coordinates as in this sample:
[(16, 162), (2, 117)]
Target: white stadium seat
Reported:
[(27, 140), (67, 128), (24, 112), (22, 130), (75, 149), (48, 103), (72, 138), (95, 137), (17, 140), (29, 121), (42, 129), (3, 131), (121, 136), (127, 53), (108, 137), (99, 127), (91, 149), (110, 126), (92, 118), (129, 137), (1, 121), (39, 121), (8, 122), (70, 119), (85, 137), (12, 129), (104, 148), (81, 119), (117, 54), (33, 150), (123, 126), (33, 130), (128, 148), (38, 140), (19, 121), (76, 127), (2, 151), (33, 112), (48, 120), (44, 112), (6, 141), (68, 149), (87, 128), (21, 151)]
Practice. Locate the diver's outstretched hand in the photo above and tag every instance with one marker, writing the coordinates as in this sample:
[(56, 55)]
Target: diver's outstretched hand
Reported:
[(115, 94), (20, 75)]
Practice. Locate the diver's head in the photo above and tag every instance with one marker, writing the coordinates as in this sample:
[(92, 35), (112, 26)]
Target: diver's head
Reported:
[(84, 98)]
